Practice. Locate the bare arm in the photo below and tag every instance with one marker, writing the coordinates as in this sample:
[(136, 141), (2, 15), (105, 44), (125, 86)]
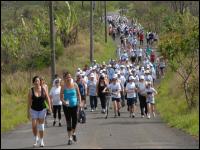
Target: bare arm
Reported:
[(29, 104), (62, 94), (48, 100), (78, 93)]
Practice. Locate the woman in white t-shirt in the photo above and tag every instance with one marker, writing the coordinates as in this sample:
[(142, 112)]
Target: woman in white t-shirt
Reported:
[(115, 89), (55, 99), (150, 91), (141, 94), (131, 96)]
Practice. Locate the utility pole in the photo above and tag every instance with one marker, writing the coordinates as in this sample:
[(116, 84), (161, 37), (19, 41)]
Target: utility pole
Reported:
[(91, 32), (52, 40), (105, 21)]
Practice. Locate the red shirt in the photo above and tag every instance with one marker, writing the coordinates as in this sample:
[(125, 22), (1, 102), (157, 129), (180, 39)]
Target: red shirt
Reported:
[(141, 36)]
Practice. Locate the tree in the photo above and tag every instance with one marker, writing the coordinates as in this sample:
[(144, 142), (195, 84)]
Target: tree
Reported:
[(180, 44)]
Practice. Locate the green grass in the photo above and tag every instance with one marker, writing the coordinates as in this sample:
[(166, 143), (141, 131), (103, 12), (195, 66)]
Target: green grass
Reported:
[(15, 87), (172, 106), (13, 111)]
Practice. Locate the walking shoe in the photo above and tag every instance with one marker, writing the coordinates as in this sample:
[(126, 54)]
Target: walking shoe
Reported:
[(91, 110), (60, 124), (35, 141), (69, 142), (74, 138), (118, 113), (54, 123), (148, 116), (142, 116), (41, 143), (133, 115), (154, 115)]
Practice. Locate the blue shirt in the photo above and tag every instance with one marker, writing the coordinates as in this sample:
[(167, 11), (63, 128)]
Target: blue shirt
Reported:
[(92, 88), (71, 96)]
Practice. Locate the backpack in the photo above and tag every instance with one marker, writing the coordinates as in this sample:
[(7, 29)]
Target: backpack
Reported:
[(82, 116)]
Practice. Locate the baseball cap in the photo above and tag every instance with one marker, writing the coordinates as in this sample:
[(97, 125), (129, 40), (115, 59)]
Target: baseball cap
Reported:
[(115, 76), (131, 78), (142, 77)]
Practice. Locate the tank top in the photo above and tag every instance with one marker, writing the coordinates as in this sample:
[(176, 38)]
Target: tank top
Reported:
[(38, 102), (101, 88), (71, 96)]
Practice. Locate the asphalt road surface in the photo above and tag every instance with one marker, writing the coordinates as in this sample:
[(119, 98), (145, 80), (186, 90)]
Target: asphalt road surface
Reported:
[(98, 132)]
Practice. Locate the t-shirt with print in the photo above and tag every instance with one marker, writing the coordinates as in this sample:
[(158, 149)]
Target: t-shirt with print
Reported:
[(150, 93), (142, 87), (131, 86), (114, 88)]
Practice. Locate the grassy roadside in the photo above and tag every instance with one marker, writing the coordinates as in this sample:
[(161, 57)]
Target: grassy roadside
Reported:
[(15, 87), (172, 105)]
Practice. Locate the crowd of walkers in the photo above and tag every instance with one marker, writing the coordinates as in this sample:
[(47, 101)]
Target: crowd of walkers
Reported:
[(130, 78)]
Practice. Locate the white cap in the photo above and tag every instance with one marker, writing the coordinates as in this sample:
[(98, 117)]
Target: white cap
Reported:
[(131, 78), (122, 66), (115, 76), (149, 82), (147, 71), (142, 77), (78, 73), (92, 75)]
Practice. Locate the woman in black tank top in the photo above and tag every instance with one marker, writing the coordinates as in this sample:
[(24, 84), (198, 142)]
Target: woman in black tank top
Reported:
[(38, 101), (37, 110)]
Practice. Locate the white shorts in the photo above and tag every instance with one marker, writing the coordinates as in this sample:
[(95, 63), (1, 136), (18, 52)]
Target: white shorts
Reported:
[(38, 114), (150, 100)]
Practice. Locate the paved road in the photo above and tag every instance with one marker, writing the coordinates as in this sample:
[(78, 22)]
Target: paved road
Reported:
[(112, 133), (121, 132)]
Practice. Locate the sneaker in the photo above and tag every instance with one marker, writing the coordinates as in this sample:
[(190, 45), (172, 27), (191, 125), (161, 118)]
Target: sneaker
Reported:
[(74, 138), (60, 124), (54, 123), (154, 115), (69, 142), (133, 115), (148, 116), (41, 143), (92, 110), (142, 116), (118, 113), (35, 141)]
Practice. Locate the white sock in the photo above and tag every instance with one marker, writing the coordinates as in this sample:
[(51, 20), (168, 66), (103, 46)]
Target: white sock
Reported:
[(70, 138), (35, 138)]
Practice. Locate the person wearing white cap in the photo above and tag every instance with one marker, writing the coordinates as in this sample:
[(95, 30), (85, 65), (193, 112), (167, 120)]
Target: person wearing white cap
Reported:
[(82, 88), (115, 89), (92, 92), (110, 72), (141, 94), (122, 81), (131, 96), (150, 91), (148, 77)]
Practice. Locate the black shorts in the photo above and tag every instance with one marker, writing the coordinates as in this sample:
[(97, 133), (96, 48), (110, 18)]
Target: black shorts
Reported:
[(83, 97), (133, 58), (116, 99)]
